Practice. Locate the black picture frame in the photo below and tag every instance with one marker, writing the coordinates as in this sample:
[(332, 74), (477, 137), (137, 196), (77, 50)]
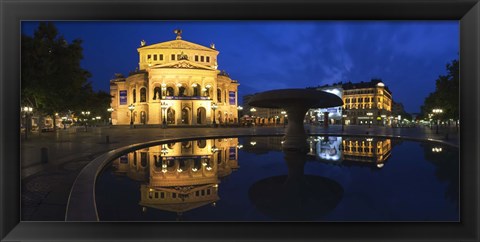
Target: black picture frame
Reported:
[(12, 12)]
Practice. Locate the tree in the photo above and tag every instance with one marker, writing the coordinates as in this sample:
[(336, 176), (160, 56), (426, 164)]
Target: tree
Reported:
[(52, 79), (446, 94)]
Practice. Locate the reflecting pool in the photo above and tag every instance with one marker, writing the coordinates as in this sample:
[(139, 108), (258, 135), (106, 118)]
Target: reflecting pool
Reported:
[(252, 179)]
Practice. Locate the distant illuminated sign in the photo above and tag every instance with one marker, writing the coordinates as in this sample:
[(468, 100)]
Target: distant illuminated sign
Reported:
[(123, 97)]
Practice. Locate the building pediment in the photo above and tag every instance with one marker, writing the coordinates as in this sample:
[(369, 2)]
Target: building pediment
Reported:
[(177, 44), (178, 207), (183, 64)]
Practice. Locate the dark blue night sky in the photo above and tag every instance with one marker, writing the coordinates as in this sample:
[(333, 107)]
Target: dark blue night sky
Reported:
[(264, 55)]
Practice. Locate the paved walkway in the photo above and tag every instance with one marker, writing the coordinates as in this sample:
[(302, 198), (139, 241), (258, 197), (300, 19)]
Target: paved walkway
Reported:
[(46, 186)]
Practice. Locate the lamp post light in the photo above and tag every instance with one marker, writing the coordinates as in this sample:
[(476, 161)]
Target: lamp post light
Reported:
[(214, 107), (110, 110), (240, 109), (252, 111), (283, 112), (343, 121), (164, 106), (27, 111), (86, 114), (64, 121), (437, 112), (369, 114), (131, 107)]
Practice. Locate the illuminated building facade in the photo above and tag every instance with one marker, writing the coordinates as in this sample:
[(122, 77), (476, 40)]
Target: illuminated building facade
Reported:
[(181, 176), (176, 83), (367, 103)]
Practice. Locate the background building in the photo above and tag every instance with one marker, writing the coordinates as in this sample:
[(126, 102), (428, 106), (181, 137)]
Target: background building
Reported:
[(262, 116), (334, 113), (177, 83)]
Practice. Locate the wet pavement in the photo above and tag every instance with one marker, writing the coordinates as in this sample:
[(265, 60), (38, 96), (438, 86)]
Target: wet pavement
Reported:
[(46, 186)]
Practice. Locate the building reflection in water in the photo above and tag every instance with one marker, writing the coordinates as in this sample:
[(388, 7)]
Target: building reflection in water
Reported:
[(181, 176), (370, 151), (178, 177)]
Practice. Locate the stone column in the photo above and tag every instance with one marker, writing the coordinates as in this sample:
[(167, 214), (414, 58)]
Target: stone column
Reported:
[(295, 137)]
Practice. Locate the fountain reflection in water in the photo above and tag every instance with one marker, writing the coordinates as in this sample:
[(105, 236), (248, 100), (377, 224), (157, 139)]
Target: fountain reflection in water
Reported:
[(295, 196)]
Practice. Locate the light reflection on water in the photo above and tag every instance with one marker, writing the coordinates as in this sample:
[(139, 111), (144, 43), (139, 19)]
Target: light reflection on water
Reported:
[(251, 179)]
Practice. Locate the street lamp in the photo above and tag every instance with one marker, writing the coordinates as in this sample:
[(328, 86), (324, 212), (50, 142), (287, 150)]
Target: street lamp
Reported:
[(85, 114), (239, 108), (110, 110), (369, 114), (214, 107), (437, 112), (164, 106), (343, 121), (252, 111), (283, 112), (131, 107), (27, 111), (64, 121)]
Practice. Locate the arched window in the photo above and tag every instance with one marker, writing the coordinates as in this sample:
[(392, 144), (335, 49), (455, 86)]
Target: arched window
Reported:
[(143, 117), (201, 115), (219, 95), (169, 91), (185, 116), (143, 159), (196, 90), (143, 94), (219, 116), (181, 91), (156, 91), (134, 93), (206, 92), (170, 116), (157, 162), (201, 143)]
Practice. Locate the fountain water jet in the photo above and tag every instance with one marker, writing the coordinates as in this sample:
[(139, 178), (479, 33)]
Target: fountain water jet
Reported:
[(296, 102)]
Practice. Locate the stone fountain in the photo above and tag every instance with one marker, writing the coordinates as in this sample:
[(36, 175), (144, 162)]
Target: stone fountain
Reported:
[(296, 102)]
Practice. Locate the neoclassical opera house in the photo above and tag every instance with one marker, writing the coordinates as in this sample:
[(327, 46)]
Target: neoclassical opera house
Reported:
[(177, 83)]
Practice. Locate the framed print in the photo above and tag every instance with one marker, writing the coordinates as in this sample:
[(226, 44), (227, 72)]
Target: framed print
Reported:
[(185, 120)]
